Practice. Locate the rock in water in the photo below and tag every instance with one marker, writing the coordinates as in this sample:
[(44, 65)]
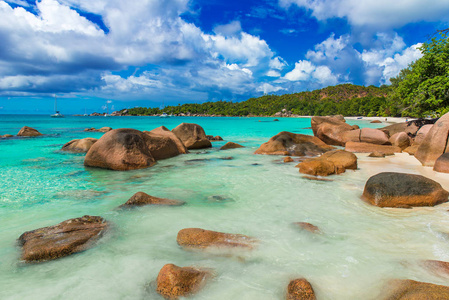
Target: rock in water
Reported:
[(28, 131), (307, 226), (197, 238), (332, 162), (231, 145), (121, 149), (174, 282), (164, 144), (81, 146), (192, 135), (288, 159), (141, 198), (57, 241), (300, 289), (442, 163), (435, 143), (391, 189), (414, 290), (287, 143), (330, 129)]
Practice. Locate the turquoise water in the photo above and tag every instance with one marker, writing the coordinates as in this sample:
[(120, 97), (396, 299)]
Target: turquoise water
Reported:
[(361, 246)]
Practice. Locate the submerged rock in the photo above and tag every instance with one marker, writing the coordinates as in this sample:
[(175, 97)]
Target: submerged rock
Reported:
[(163, 143), (231, 145), (400, 289), (401, 190), (307, 226), (82, 145), (141, 198), (287, 143), (174, 282), (28, 131), (7, 136), (121, 149), (330, 129), (435, 143), (192, 135), (61, 240), (300, 289), (197, 238)]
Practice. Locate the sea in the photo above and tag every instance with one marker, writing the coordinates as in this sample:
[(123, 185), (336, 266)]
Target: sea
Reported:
[(359, 250)]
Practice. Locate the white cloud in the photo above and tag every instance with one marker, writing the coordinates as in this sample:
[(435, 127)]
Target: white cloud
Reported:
[(306, 71), (379, 13), (267, 88), (273, 73), (329, 49), (228, 29)]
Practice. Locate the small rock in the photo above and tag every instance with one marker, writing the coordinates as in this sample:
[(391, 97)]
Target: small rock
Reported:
[(375, 122), (104, 129), (28, 131), (230, 145), (307, 226), (276, 120), (7, 136), (288, 159), (376, 154), (141, 198), (300, 289), (197, 238)]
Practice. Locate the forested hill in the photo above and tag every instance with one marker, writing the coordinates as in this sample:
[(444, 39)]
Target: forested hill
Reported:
[(345, 99)]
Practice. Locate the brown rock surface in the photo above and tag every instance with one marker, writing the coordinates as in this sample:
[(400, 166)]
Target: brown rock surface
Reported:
[(163, 143), (82, 145), (376, 154), (230, 145), (57, 241), (141, 198), (287, 143), (435, 143), (401, 190), (197, 238), (288, 159), (330, 129), (366, 135), (407, 127), (421, 134), (437, 266), (307, 226), (442, 163), (28, 131), (400, 140), (368, 148), (332, 162), (104, 129), (174, 282), (342, 159), (317, 167), (300, 289), (7, 136), (415, 290), (121, 149), (192, 135), (375, 122), (411, 150)]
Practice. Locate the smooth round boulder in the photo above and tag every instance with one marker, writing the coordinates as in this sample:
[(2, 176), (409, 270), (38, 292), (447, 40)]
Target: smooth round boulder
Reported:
[(141, 198), (341, 159), (231, 145), (400, 289), (317, 167), (79, 146), (164, 144), (174, 282), (122, 150), (442, 163), (400, 139), (28, 131), (390, 189), (330, 129), (421, 134), (192, 135), (435, 143), (68, 237), (332, 162), (300, 289), (197, 238), (287, 143)]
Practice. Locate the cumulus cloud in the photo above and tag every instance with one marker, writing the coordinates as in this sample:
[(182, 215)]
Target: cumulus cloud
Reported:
[(228, 29), (379, 13), (306, 71)]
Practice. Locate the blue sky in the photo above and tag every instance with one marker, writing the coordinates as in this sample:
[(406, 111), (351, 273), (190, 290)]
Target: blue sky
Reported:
[(153, 52)]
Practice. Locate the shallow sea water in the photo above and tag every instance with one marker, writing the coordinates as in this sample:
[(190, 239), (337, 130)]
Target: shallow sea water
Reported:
[(361, 247)]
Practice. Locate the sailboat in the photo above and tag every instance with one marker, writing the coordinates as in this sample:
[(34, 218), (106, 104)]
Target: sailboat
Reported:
[(57, 114)]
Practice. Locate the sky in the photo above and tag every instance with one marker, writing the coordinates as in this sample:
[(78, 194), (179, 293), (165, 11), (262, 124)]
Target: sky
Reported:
[(167, 52)]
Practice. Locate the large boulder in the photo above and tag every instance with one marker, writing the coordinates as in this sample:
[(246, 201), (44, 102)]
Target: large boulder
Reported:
[(391, 189), (192, 135), (82, 145), (197, 238), (164, 144), (369, 148), (421, 134), (121, 149), (141, 198), (400, 289), (300, 289), (28, 131), (435, 143), (57, 241), (407, 127), (287, 143), (231, 145), (174, 282), (332, 162), (400, 139), (366, 135), (317, 167), (330, 129), (442, 163), (411, 149)]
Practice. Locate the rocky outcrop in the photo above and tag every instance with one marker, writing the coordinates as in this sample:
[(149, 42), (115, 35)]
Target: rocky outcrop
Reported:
[(163, 143), (435, 143), (368, 148), (102, 129), (400, 139), (411, 150), (300, 289), (366, 135), (81, 146), (121, 149), (414, 290), (407, 127), (141, 198), (28, 131), (57, 241), (332, 162), (192, 135), (421, 134), (442, 163), (401, 190), (308, 227), (231, 145), (197, 238), (5, 136), (174, 282), (287, 143), (330, 129)]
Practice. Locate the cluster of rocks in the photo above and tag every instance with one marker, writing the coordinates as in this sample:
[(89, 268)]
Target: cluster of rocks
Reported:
[(214, 138), (25, 131), (102, 129)]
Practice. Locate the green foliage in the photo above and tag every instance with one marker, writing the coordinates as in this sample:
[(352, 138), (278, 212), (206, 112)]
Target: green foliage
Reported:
[(422, 89)]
